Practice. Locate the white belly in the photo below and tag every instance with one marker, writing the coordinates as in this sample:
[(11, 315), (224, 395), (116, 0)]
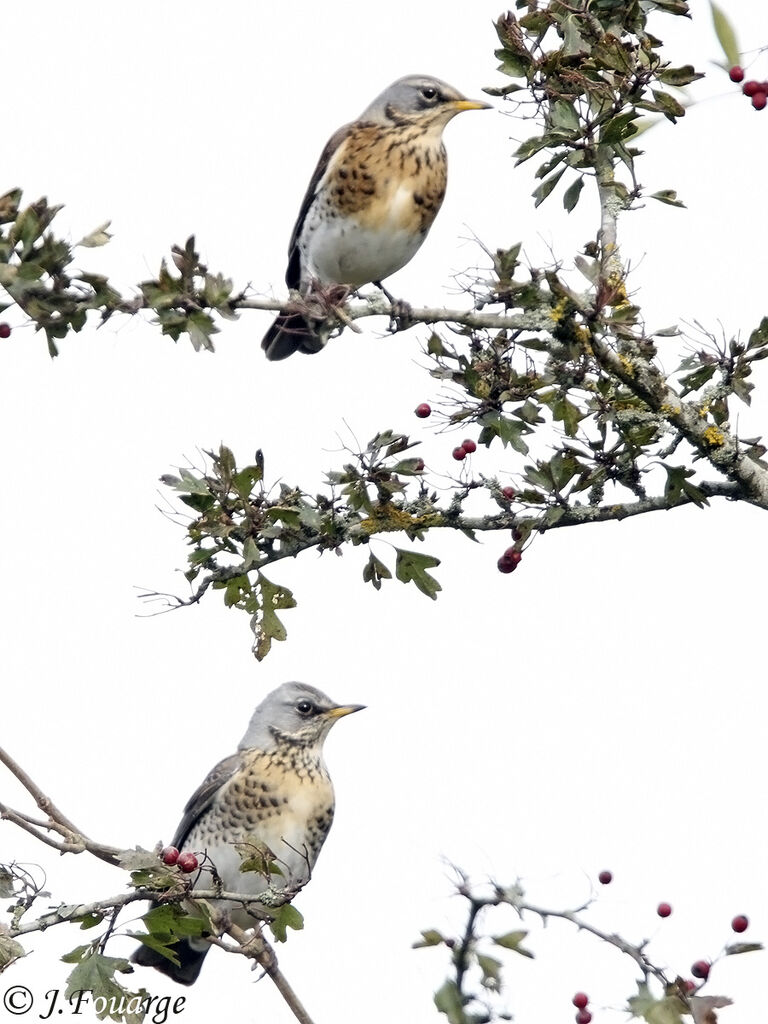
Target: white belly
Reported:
[(339, 250)]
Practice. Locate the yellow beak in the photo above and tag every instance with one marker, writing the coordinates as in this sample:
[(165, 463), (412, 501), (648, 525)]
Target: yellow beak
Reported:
[(459, 105), (343, 709)]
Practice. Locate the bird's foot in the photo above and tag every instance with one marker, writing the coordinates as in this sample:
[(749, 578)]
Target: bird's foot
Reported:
[(400, 318)]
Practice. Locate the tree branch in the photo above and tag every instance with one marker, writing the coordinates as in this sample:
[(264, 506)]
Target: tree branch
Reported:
[(75, 841)]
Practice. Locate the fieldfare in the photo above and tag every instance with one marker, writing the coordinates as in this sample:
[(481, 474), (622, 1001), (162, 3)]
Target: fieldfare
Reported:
[(372, 199), (273, 796)]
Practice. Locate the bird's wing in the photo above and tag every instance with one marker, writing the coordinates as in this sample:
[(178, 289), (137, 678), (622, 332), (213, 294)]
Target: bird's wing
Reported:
[(204, 794), (293, 273)]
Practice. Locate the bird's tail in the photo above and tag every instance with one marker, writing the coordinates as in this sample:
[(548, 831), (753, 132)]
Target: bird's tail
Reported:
[(190, 961), (289, 334)]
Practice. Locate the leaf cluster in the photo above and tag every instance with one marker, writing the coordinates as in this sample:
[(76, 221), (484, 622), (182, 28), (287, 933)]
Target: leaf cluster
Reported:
[(592, 72)]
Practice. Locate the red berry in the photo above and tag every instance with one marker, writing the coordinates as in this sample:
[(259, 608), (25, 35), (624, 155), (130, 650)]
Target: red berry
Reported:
[(580, 1000), (513, 555), (759, 100), (605, 878), (5, 330), (169, 855), (423, 410), (419, 465), (505, 564), (736, 74), (459, 453), (508, 492), (740, 923), (469, 446), (701, 969), (583, 1017), (751, 87), (187, 862), (664, 910), (689, 985)]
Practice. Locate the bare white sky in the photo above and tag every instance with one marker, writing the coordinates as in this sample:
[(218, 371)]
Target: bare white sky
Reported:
[(602, 707)]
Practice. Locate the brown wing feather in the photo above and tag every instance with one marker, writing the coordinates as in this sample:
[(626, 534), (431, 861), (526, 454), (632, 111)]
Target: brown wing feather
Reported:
[(204, 794), (293, 273)]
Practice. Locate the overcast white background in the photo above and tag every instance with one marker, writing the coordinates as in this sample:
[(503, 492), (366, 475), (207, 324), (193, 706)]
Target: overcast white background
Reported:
[(602, 707)]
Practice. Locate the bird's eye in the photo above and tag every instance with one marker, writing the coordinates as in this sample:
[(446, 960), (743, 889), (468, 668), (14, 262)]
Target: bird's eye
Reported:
[(428, 92), (305, 707)]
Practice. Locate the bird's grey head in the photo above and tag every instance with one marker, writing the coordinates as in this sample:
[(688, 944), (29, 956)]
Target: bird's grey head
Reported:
[(294, 713), (419, 99)]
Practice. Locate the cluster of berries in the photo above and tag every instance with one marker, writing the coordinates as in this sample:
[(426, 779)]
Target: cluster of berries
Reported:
[(757, 91), (186, 862)]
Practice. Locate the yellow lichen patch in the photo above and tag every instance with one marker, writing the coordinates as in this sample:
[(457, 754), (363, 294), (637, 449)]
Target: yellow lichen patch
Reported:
[(620, 297), (669, 410), (558, 309), (389, 518), (714, 437), (627, 364), (583, 334)]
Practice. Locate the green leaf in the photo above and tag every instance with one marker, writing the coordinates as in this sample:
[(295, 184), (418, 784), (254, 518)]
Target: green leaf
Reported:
[(10, 950), (668, 105), (95, 975), (6, 883), (375, 571), (171, 919), (697, 379), (491, 968), (736, 948), (99, 236), (725, 35), (668, 196), (430, 937), (679, 484), (274, 598), (759, 337), (563, 116), (448, 1001), (88, 921), (200, 327), (565, 412), (680, 76), (285, 917), (530, 147), (618, 128), (513, 940), (510, 431), (411, 567), (572, 193), (544, 189), (667, 1010)]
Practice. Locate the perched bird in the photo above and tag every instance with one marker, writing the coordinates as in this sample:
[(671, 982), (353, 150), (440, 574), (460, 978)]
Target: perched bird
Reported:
[(372, 199), (273, 795)]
